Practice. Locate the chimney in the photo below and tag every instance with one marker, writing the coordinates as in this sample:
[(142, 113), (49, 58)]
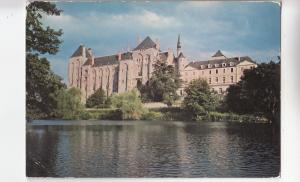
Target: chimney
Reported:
[(91, 55), (157, 46), (119, 56)]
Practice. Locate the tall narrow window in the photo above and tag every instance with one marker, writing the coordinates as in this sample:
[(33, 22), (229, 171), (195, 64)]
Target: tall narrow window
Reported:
[(217, 80), (216, 71), (209, 71), (220, 90), (209, 80), (231, 79), (224, 70), (223, 79), (231, 70)]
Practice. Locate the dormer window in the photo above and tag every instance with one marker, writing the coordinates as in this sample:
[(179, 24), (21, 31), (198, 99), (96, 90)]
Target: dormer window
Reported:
[(231, 64), (216, 65), (209, 65), (224, 64)]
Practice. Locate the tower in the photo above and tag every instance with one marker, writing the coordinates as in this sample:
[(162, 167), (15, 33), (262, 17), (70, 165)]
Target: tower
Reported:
[(178, 46)]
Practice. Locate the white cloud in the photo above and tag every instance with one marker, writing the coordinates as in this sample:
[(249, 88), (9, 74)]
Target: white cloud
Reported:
[(148, 19)]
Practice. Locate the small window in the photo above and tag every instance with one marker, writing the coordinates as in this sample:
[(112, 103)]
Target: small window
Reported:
[(224, 70), (220, 90), (216, 71), (209, 80), (224, 64), (231, 79), (223, 79), (231, 70), (209, 71), (217, 80), (209, 65)]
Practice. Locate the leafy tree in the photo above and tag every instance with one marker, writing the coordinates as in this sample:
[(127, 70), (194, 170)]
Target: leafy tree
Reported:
[(199, 98), (97, 99), (258, 92), (41, 82), (163, 84), (69, 104), (129, 104)]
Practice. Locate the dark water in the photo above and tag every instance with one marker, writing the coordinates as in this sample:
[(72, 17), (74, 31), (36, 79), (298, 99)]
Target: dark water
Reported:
[(151, 149)]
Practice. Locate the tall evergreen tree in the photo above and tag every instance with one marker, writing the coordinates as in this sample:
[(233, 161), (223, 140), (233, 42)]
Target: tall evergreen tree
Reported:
[(41, 82)]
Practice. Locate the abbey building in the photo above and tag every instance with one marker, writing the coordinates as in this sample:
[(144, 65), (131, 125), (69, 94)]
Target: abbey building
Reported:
[(126, 70)]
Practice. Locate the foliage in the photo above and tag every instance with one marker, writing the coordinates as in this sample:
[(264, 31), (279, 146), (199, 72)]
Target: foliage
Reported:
[(69, 104), (97, 99), (129, 104), (41, 82), (258, 92), (163, 84), (200, 99), (152, 115), (230, 117), (105, 113)]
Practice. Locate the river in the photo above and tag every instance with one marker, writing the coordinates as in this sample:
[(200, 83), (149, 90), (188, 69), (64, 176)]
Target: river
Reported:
[(150, 149)]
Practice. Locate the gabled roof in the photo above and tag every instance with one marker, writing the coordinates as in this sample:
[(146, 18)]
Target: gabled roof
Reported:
[(146, 44), (218, 54), (78, 52)]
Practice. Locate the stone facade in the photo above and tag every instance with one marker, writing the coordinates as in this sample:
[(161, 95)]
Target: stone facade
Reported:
[(126, 70)]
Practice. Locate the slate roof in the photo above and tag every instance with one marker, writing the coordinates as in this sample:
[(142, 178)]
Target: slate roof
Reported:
[(109, 60), (235, 60), (146, 44), (78, 51), (218, 54), (181, 55)]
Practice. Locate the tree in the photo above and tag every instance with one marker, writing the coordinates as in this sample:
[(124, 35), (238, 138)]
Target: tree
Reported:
[(129, 104), (69, 104), (163, 84), (258, 92), (97, 99), (41, 82), (199, 98)]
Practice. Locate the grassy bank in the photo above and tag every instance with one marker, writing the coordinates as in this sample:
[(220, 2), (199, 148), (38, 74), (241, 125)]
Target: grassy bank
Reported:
[(168, 114)]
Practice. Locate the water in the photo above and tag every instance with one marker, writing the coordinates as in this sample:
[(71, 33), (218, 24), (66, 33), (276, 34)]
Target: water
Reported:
[(151, 149)]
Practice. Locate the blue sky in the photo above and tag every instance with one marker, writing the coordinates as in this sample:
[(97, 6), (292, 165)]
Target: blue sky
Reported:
[(236, 28)]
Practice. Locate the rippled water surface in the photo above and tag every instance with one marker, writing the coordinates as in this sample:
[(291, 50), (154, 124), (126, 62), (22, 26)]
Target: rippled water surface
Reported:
[(150, 149)]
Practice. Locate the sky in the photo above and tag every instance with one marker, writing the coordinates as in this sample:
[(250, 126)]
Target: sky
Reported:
[(236, 28)]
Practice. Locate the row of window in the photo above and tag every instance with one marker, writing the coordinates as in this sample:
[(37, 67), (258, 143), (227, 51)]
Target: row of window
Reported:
[(217, 65), (210, 71), (217, 80)]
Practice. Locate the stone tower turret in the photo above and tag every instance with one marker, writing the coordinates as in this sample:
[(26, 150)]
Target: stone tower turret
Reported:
[(178, 46)]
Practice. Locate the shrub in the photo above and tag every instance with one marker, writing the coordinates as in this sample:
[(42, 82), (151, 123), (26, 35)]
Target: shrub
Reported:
[(152, 115), (97, 99), (129, 104)]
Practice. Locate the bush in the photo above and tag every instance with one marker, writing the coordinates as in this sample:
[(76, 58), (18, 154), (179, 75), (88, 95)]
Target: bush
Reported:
[(129, 104), (152, 115)]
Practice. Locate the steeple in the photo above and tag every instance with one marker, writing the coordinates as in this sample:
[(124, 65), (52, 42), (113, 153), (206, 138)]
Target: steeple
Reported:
[(178, 46)]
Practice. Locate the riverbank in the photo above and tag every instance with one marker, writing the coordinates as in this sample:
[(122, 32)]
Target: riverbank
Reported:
[(168, 114)]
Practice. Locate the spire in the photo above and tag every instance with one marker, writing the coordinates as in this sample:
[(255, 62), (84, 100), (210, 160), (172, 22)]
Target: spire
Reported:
[(178, 45)]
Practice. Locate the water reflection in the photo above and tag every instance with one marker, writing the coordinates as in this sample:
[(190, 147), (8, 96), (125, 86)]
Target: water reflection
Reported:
[(150, 149)]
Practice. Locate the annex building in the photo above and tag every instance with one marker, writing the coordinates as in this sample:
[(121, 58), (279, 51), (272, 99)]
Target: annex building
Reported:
[(124, 71)]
